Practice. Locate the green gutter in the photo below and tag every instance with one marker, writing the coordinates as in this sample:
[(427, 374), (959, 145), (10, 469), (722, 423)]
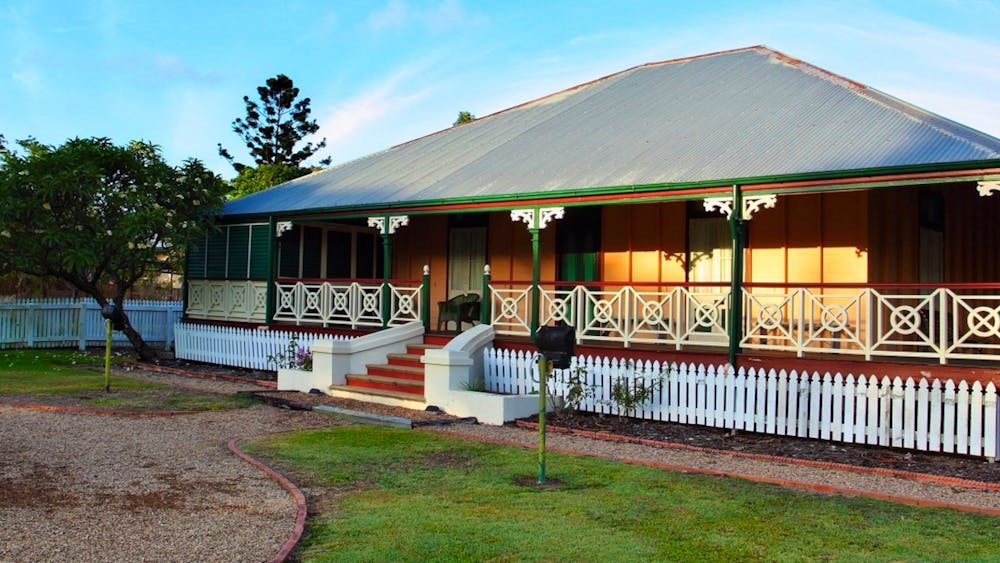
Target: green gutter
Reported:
[(518, 199)]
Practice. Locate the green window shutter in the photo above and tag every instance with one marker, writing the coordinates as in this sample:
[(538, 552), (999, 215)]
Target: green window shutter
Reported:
[(288, 250), (216, 248), (195, 260), (239, 252), (259, 237), (312, 246)]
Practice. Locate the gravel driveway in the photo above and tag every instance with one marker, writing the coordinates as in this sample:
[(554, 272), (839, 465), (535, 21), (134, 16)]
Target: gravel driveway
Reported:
[(83, 487)]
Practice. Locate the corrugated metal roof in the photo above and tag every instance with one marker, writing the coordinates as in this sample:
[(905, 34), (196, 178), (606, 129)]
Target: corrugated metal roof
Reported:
[(747, 113)]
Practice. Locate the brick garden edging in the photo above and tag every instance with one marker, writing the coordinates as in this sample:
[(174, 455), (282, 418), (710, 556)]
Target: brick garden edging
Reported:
[(91, 410), (198, 375), (911, 475), (301, 509)]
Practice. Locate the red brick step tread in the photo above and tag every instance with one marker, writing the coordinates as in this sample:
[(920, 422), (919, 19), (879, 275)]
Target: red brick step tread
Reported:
[(397, 371), (385, 383), (409, 360), (418, 349)]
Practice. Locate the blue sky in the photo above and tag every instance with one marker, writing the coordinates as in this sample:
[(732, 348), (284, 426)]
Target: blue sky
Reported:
[(384, 72)]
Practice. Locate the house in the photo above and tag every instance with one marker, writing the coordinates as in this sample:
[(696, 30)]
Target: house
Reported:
[(740, 206)]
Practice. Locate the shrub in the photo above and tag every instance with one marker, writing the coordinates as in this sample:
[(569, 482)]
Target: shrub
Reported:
[(293, 357)]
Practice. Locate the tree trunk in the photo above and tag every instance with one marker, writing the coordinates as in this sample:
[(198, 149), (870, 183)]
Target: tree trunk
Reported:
[(144, 351)]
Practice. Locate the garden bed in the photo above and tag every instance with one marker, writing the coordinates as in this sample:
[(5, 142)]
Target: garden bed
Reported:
[(963, 467)]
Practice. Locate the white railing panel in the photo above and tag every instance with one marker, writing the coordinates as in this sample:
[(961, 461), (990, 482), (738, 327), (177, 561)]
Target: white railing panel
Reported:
[(939, 324), (972, 327), (935, 323), (347, 304), (510, 311), (405, 305), (227, 300)]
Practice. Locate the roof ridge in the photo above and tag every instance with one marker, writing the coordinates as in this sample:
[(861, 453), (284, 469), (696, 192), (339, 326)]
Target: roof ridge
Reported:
[(562, 92), (906, 109)]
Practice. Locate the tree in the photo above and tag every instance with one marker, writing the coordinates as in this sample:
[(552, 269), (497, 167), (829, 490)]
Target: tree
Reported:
[(99, 216), (464, 117), (274, 127), (254, 179)]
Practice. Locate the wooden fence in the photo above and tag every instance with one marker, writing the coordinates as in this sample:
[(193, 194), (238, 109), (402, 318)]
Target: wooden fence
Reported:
[(51, 323), (239, 347), (887, 411)]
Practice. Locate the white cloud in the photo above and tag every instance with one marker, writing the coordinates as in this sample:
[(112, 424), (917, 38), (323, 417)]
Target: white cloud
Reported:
[(369, 121), (392, 15), (28, 78), (193, 127), (449, 15), (444, 16)]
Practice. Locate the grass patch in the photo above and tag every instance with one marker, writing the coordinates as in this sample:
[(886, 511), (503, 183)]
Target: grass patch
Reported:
[(73, 377), (404, 495), (59, 372), (173, 400)]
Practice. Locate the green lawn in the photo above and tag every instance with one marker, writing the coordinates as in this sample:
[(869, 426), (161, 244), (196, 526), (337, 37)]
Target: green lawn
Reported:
[(78, 377), (402, 495)]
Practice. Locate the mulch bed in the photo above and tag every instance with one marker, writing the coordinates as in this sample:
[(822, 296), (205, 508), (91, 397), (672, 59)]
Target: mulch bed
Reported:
[(963, 467), (213, 369)]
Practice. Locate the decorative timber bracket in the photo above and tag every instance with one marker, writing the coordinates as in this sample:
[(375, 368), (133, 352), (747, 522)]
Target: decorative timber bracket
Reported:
[(388, 224), (537, 218), (987, 187), (281, 226), (751, 205)]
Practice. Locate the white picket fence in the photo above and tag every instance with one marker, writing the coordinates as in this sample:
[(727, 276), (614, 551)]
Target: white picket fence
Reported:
[(239, 347), (920, 415), (50, 323)]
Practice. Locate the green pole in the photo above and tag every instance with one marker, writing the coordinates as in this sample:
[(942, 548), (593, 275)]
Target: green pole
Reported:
[(386, 266), (535, 275), (484, 310), (425, 298), (736, 283), (543, 374), (271, 293), (107, 356)]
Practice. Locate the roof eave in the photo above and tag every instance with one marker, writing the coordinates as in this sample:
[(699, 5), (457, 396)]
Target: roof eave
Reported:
[(802, 182)]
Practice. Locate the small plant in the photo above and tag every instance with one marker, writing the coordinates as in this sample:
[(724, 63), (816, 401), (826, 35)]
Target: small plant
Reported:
[(294, 357), (628, 395), (576, 389), (477, 384)]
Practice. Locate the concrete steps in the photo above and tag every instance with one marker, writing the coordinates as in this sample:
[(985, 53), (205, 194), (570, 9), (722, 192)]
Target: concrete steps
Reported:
[(400, 378)]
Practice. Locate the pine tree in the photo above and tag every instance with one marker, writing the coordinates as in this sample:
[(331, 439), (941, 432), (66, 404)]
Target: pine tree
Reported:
[(273, 127)]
